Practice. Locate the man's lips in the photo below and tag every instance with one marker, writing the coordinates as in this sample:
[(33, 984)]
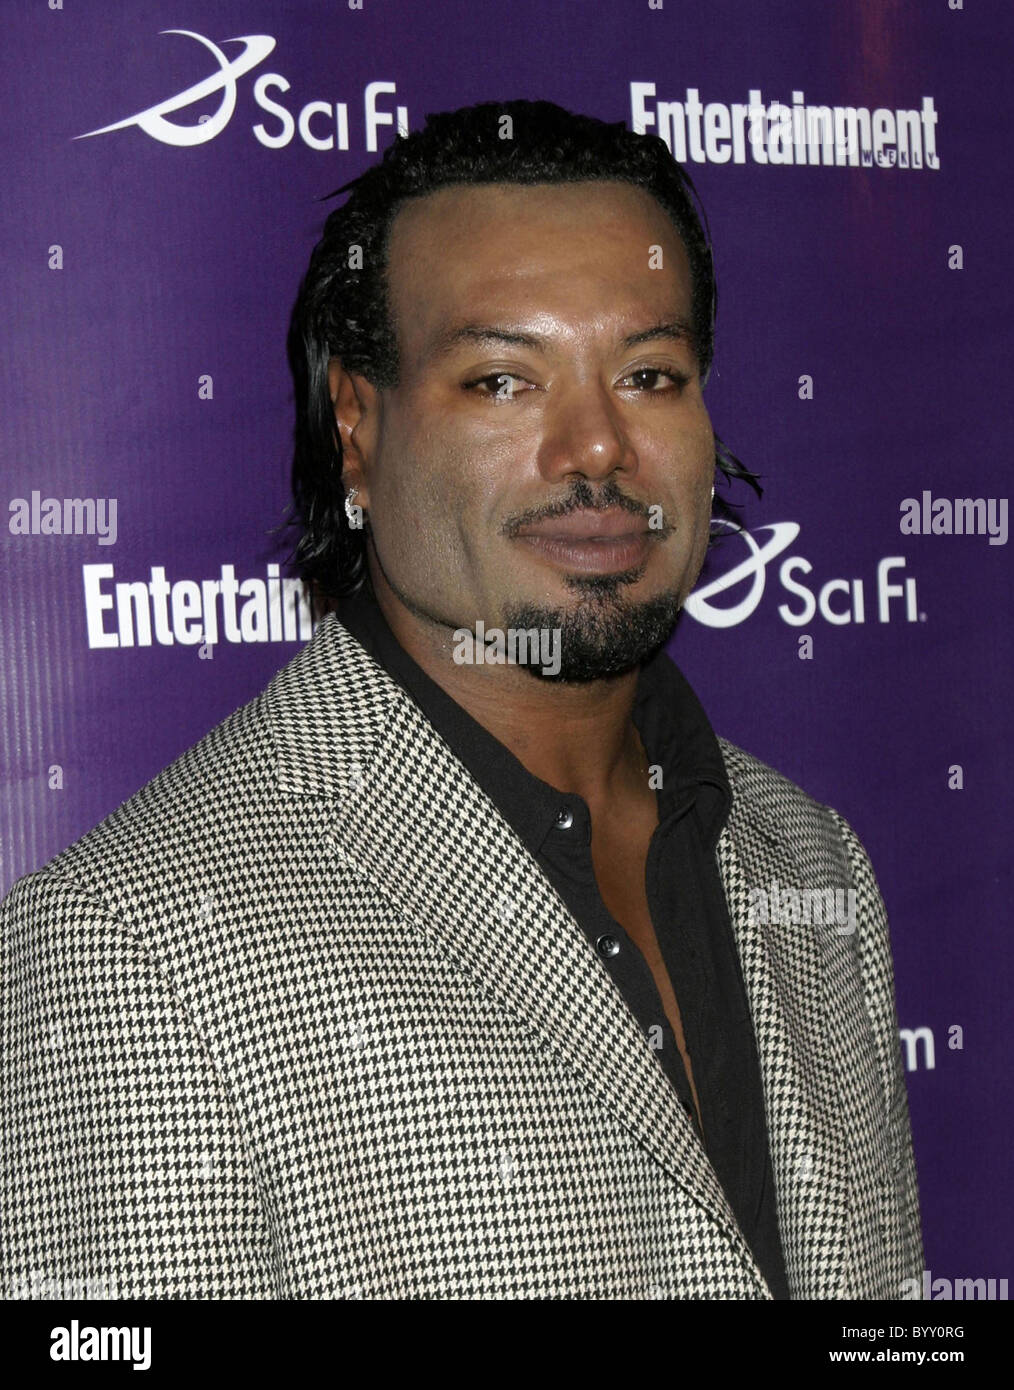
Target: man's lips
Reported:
[(594, 542)]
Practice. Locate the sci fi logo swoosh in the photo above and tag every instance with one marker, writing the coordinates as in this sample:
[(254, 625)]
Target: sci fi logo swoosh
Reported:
[(754, 567), (153, 121)]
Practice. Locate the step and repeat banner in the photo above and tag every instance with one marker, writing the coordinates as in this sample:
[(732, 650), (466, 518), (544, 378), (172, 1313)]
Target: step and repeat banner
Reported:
[(163, 169)]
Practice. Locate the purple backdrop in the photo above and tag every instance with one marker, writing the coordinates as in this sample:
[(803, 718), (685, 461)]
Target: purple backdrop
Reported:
[(864, 299)]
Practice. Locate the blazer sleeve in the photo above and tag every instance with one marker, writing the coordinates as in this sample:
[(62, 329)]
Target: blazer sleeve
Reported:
[(122, 1167), (877, 966)]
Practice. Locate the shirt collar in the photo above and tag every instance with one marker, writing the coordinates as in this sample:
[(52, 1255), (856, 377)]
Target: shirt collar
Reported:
[(676, 733)]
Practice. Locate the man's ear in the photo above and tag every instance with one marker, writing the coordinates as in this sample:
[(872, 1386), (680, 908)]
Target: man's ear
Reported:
[(355, 403)]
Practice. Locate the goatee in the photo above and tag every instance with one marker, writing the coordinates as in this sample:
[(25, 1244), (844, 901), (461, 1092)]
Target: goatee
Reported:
[(606, 634)]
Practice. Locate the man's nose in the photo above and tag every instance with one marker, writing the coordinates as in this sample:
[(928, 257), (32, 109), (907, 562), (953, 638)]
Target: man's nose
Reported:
[(584, 433)]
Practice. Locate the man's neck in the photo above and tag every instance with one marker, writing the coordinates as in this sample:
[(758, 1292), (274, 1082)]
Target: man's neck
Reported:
[(579, 738)]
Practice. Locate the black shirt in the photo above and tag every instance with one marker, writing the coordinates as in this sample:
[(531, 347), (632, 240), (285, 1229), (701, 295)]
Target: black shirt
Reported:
[(685, 895)]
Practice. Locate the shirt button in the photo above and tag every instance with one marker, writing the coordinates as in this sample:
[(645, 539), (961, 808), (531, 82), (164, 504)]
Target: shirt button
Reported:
[(564, 818), (608, 946)]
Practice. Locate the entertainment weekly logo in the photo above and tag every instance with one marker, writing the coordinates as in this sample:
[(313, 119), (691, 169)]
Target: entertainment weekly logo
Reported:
[(320, 125), (769, 132)]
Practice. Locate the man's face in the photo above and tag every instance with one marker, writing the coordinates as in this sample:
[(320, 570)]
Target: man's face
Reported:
[(542, 400)]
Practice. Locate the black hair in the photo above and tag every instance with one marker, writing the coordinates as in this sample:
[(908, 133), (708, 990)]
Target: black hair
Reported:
[(342, 311)]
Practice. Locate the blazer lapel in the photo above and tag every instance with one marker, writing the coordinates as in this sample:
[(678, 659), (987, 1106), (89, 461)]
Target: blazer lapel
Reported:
[(411, 820), (789, 977)]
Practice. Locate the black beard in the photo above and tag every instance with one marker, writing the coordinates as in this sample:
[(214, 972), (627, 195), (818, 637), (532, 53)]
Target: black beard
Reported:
[(606, 635)]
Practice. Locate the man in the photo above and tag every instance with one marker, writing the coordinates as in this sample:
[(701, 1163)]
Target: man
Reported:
[(434, 973)]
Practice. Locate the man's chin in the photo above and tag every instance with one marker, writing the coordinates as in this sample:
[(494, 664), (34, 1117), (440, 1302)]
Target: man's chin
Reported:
[(601, 635)]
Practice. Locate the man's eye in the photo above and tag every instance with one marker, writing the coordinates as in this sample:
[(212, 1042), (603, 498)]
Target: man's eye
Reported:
[(501, 386), (653, 374)]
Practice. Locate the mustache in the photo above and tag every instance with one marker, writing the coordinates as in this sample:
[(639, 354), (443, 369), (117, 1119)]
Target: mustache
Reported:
[(581, 498)]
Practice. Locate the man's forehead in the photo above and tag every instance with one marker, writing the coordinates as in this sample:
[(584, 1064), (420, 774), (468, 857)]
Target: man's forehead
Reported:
[(581, 253), (459, 224)]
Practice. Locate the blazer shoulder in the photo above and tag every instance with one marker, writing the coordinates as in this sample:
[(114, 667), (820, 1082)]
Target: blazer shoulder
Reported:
[(768, 804), (204, 793), (762, 788), (222, 810), (775, 821)]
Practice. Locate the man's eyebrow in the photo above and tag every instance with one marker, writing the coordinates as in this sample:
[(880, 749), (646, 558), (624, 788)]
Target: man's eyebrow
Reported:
[(669, 328), (508, 335), (483, 333)]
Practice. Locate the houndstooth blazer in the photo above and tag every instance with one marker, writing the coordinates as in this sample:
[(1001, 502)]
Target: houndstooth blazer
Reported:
[(303, 1019)]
